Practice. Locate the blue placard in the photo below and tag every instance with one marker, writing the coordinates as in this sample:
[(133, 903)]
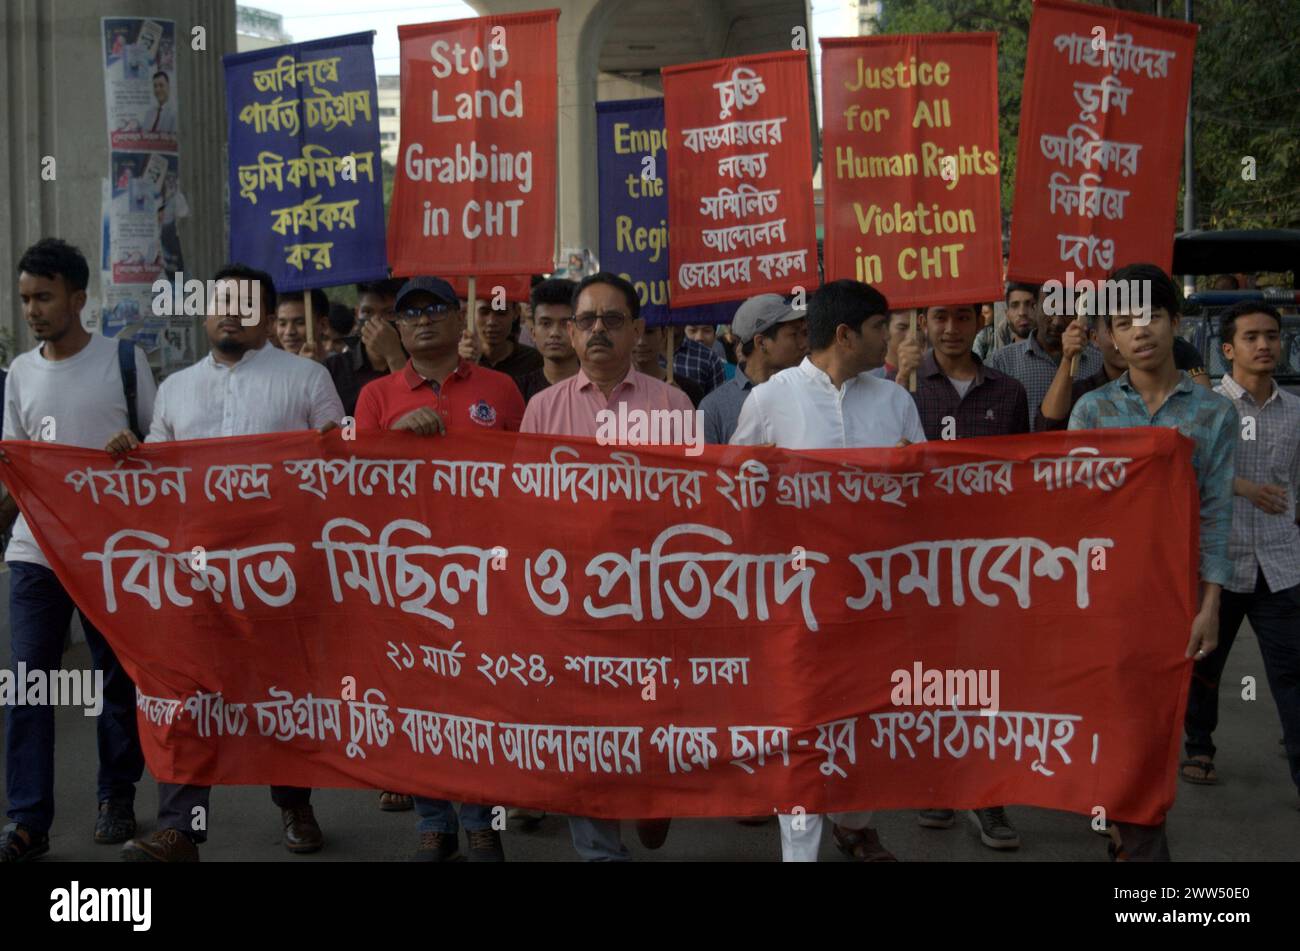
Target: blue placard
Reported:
[(306, 177), (634, 208)]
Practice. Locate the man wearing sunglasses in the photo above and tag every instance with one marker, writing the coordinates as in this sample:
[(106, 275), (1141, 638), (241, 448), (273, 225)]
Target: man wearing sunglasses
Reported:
[(606, 325)]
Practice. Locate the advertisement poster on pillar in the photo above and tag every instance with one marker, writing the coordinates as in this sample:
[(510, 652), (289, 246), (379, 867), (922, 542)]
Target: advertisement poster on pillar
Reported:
[(740, 208), (1101, 141), (474, 190), (910, 166)]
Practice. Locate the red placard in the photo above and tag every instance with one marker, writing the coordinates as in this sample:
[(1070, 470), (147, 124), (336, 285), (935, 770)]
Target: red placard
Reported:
[(910, 166), (1101, 138), (474, 191), (740, 209), (638, 631)]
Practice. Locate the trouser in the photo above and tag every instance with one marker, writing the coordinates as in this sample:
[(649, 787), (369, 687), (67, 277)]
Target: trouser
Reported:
[(439, 815), (1143, 843), (1275, 617), (185, 807), (39, 614), (598, 840), (803, 844)]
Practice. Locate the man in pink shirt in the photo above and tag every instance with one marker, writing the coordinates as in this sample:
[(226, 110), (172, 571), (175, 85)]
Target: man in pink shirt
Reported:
[(605, 327), (606, 324)]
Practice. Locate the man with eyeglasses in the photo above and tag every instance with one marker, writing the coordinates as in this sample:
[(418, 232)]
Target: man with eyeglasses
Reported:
[(375, 353), (438, 392), (606, 325)]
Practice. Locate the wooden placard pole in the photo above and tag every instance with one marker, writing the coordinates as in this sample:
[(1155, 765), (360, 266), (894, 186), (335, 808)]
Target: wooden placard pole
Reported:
[(471, 304), (668, 349), (911, 380), (311, 320)]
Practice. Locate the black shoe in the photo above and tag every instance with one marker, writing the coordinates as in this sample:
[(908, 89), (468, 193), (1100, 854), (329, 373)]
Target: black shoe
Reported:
[(438, 847), (116, 822), (996, 830), (164, 845), (485, 846), (301, 831), (21, 844)]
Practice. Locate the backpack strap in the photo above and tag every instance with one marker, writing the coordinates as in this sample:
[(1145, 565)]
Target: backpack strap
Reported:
[(126, 362)]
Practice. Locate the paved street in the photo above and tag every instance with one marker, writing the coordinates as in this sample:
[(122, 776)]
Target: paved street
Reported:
[(1252, 814)]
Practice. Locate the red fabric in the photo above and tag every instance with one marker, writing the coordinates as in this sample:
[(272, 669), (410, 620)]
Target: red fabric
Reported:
[(520, 49), (551, 580), (473, 396), (874, 232), (692, 100), (1045, 244)]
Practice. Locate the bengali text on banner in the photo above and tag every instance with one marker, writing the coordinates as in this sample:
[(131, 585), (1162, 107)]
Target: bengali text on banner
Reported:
[(1101, 136), (306, 183), (631, 161), (474, 192), (637, 632), (911, 166), (740, 209)]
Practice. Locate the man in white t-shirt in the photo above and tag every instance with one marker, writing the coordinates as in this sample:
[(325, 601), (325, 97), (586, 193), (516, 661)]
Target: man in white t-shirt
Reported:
[(243, 387), (831, 401), (69, 390)]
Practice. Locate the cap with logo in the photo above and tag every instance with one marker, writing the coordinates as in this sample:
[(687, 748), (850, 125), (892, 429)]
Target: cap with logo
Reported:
[(760, 315), (435, 286)]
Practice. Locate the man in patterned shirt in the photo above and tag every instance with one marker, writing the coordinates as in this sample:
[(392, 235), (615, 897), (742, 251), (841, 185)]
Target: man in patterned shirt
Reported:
[(1154, 392), (697, 362), (1264, 547), (1035, 360)]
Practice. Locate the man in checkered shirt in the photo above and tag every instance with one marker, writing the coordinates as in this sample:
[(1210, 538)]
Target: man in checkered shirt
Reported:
[(1034, 361), (1264, 546)]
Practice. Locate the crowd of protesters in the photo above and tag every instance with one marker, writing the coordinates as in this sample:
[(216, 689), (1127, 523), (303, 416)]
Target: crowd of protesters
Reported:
[(844, 372)]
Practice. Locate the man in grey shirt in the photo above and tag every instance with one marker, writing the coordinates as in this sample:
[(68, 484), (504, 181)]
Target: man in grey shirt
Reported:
[(773, 336)]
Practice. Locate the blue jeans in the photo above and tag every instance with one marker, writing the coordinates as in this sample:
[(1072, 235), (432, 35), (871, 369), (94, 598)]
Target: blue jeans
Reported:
[(598, 840), (439, 815), (39, 614), (1275, 616)]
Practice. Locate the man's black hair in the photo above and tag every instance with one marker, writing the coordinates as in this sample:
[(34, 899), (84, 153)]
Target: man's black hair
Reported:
[(388, 287), (54, 257), (1164, 293), (163, 75), (1228, 320), (1035, 289), (320, 304), (242, 272), (343, 319), (841, 302), (613, 280), (554, 290)]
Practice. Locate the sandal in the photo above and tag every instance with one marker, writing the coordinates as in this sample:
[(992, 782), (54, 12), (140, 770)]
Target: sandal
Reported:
[(1205, 767), (21, 844), (395, 802)]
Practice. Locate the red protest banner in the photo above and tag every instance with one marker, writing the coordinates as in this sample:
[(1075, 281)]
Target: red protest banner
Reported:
[(637, 632), (910, 166), (740, 210), (1101, 138), (474, 192)]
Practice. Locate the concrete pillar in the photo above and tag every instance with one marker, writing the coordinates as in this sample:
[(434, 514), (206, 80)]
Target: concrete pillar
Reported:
[(54, 105)]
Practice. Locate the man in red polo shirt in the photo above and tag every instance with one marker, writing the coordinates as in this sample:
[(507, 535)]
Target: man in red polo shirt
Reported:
[(438, 392)]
